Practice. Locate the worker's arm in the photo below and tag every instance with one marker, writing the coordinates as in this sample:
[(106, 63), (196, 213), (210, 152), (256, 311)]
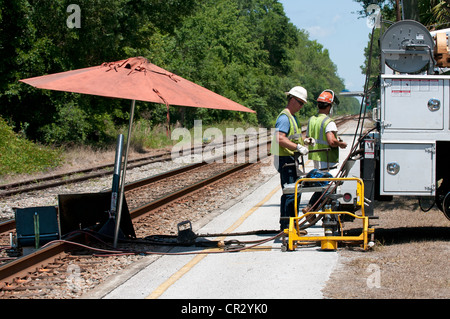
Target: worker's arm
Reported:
[(283, 141), (334, 142)]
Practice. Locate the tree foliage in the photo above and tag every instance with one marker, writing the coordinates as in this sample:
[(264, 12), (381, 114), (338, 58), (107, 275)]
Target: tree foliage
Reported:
[(246, 50)]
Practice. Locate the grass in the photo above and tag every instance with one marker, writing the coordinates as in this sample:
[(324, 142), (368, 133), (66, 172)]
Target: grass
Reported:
[(19, 156)]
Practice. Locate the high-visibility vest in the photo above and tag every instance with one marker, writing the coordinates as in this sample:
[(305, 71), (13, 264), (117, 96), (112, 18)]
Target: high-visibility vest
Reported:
[(295, 135), (316, 130)]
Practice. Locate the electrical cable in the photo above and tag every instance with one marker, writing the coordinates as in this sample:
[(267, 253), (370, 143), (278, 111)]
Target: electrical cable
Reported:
[(366, 84), (425, 210), (123, 252)]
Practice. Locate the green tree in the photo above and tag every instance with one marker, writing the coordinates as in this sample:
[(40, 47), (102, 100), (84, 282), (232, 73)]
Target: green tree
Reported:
[(246, 50), (35, 40), (313, 69), (228, 47)]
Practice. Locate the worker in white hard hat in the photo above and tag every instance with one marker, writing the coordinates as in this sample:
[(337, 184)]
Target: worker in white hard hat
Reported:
[(286, 141)]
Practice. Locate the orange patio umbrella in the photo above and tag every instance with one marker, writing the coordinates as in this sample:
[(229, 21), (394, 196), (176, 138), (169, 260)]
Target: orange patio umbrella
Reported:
[(134, 79)]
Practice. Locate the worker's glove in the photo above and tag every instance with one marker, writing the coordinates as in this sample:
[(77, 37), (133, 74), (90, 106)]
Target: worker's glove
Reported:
[(310, 141), (302, 149)]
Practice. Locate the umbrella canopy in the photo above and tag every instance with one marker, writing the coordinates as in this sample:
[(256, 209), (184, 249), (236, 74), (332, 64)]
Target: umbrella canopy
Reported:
[(135, 79)]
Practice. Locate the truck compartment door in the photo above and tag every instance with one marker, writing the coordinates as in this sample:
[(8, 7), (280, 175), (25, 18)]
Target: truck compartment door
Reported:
[(408, 169)]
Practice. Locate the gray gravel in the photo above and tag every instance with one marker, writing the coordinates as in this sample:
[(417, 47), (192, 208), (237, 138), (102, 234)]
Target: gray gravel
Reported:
[(49, 197)]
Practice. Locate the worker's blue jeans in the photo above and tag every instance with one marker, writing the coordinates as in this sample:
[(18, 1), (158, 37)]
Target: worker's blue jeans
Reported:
[(288, 175)]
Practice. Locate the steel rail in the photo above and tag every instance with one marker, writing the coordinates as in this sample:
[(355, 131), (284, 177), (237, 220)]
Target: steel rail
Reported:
[(24, 265), (166, 200), (99, 171), (10, 225), (6, 187)]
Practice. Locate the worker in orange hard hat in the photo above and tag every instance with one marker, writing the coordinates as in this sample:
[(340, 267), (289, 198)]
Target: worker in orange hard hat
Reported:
[(322, 131)]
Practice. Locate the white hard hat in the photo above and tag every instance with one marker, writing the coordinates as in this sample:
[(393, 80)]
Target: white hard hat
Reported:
[(299, 92)]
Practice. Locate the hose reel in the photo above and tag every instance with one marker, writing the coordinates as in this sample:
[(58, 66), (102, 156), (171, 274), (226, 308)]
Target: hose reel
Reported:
[(407, 47)]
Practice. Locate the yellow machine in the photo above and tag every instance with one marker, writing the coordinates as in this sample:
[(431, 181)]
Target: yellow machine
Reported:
[(329, 240)]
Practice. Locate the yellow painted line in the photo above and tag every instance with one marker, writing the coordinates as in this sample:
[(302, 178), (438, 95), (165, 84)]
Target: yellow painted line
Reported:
[(252, 210), (180, 273)]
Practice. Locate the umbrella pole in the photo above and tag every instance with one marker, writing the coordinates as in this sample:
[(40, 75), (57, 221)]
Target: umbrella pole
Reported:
[(122, 184)]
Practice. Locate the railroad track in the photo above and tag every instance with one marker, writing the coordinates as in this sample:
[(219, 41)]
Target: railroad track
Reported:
[(74, 176), (23, 273), (13, 273), (41, 184), (84, 174)]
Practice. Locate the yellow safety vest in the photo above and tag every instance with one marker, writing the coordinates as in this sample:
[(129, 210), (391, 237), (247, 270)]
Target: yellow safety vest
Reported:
[(295, 135), (316, 130)]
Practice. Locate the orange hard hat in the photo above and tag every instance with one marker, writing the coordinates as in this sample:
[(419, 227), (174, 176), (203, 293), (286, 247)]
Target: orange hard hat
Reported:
[(328, 96)]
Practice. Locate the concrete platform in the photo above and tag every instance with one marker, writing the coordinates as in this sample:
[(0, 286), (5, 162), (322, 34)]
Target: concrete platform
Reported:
[(264, 272)]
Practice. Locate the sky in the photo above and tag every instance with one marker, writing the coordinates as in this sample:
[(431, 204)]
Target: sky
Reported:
[(336, 25)]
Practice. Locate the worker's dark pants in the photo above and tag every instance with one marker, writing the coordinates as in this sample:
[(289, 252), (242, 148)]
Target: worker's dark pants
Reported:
[(288, 175)]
